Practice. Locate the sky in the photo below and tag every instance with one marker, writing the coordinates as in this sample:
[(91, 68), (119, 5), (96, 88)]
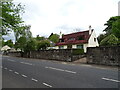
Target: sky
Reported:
[(53, 16)]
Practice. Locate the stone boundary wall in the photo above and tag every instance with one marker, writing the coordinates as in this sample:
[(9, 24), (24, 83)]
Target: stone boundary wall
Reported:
[(104, 55), (55, 54), (15, 54)]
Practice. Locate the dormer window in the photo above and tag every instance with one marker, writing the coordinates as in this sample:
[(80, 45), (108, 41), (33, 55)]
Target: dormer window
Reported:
[(61, 40), (81, 37), (72, 38)]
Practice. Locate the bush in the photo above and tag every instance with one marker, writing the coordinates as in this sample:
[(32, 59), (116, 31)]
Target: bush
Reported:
[(77, 51)]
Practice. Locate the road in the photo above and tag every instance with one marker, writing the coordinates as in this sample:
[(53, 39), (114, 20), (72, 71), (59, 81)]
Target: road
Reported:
[(35, 73)]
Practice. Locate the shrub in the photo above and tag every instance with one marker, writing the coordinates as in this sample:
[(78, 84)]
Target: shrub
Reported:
[(77, 51)]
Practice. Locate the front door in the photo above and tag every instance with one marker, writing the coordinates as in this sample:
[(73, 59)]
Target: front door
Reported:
[(69, 46)]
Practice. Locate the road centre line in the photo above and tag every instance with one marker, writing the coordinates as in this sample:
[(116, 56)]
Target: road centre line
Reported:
[(11, 60), (61, 70), (110, 80), (34, 80), (47, 85), (5, 68), (16, 72), (26, 63), (10, 70), (24, 75)]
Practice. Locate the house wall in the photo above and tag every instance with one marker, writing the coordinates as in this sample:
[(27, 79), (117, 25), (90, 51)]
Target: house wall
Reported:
[(85, 47), (91, 42), (56, 47), (65, 47), (74, 46)]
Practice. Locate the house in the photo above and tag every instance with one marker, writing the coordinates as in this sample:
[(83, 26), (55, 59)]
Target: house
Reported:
[(5, 48), (81, 40)]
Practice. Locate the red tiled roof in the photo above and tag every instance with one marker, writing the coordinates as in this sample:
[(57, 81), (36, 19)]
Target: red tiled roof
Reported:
[(75, 35)]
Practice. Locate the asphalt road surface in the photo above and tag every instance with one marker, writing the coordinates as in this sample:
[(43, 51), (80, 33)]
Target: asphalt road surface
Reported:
[(35, 73)]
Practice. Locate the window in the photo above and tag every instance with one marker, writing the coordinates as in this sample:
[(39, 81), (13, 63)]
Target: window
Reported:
[(80, 46), (71, 38), (94, 39), (61, 40), (81, 37), (61, 47)]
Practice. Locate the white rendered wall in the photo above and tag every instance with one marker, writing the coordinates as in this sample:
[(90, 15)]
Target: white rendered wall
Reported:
[(56, 47), (91, 42), (65, 47), (74, 46), (85, 47)]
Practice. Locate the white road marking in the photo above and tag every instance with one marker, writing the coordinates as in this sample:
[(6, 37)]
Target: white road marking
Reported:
[(61, 70), (10, 70), (111, 80), (47, 85), (11, 60), (70, 71), (5, 68), (16, 72), (34, 80), (87, 65), (26, 63), (24, 75)]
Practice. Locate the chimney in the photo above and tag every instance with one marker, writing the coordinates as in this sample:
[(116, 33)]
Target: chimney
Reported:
[(60, 34), (90, 29)]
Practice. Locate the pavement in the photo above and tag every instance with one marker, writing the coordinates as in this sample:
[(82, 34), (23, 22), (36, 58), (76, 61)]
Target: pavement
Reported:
[(38, 73)]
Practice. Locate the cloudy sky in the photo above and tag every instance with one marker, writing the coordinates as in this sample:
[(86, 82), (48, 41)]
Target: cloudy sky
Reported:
[(47, 16)]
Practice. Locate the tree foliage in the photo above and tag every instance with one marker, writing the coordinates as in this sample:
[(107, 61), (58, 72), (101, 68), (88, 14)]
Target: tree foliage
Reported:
[(112, 35), (9, 43), (116, 28), (110, 24), (109, 40), (38, 38), (101, 37), (11, 16), (43, 44), (54, 37), (30, 45), (21, 43)]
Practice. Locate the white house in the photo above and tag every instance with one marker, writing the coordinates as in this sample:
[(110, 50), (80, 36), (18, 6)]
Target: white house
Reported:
[(81, 40)]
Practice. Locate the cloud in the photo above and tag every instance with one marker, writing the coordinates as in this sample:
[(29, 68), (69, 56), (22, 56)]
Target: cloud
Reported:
[(47, 16)]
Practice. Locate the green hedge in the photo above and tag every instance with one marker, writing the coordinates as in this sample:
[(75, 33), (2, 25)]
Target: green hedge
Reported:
[(77, 51)]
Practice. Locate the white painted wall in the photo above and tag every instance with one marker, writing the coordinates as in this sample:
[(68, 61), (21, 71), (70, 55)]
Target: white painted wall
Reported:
[(56, 47), (85, 47), (74, 46), (91, 42), (65, 47)]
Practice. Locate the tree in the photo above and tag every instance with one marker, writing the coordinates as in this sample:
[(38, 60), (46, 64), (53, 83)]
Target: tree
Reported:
[(42, 45), (38, 38), (116, 28), (101, 37), (9, 43), (21, 43), (23, 31), (109, 40), (2, 42), (112, 35), (54, 38), (110, 24), (30, 45), (11, 16)]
